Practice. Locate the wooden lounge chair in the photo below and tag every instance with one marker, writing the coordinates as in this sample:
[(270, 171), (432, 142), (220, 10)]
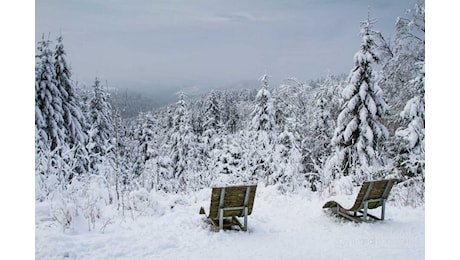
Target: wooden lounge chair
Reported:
[(228, 203), (373, 194)]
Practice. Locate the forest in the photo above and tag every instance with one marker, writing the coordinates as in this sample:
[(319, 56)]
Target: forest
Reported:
[(324, 135)]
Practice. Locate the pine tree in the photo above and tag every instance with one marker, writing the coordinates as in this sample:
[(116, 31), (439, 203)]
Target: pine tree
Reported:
[(288, 162), (228, 167), (316, 146), (100, 121), (321, 127), (146, 148), (263, 114), (146, 137), (263, 134), (409, 140), (73, 116), (121, 153), (359, 136), (54, 156), (49, 115), (60, 137), (183, 146), (74, 119), (403, 64), (212, 120), (231, 117)]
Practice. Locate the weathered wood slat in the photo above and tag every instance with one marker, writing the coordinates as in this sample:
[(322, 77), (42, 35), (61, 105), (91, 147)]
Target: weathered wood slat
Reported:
[(232, 203), (373, 194)]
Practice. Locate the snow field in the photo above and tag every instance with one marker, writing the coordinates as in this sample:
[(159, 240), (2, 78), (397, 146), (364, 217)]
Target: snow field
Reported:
[(282, 226)]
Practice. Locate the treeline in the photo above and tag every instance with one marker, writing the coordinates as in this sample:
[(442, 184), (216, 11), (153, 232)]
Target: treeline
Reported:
[(324, 137)]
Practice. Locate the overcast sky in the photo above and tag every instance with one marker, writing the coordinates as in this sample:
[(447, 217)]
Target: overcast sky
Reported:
[(210, 43)]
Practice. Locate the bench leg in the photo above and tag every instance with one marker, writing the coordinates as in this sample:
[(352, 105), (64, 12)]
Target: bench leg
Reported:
[(221, 219), (245, 218), (365, 211), (382, 217)]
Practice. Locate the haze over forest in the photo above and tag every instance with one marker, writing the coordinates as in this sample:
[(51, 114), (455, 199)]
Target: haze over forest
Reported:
[(158, 48)]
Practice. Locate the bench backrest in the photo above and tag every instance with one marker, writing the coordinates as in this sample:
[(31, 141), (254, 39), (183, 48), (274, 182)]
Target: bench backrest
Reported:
[(232, 197), (374, 192)]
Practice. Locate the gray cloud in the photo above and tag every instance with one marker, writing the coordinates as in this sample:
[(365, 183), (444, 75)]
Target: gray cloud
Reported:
[(210, 42)]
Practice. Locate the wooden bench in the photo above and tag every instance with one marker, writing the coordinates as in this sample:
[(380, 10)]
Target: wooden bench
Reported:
[(229, 203), (373, 194)]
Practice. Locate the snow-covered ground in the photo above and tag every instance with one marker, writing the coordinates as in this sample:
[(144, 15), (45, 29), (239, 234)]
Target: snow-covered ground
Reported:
[(282, 226)]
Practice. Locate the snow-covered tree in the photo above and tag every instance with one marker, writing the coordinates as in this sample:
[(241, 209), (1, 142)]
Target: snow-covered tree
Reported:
[(49, 115), (263, 134), (121, 155), (409, 140), (228, 164), (359, 136), (100, 123), (212, 121), (45, 86), (288, 173), (146, 138), (59, 121), (232, 120), (145, 151), (183, 145), (72, 113), (403, 63), (74, 119), (212, 112), (263, 118), (316, 146)]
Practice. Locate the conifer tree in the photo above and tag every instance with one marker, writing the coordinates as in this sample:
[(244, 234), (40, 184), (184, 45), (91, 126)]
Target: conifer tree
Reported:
[(146, 137), (54, 155), (321, 128), (146, 148), (183, 145), (232, 120), (228, 167), (49, 115), (74, 119), (404, 63), (262, 134), (263, 114), (73, 116), (359, 135), (212, 118), (100, 122), (409, 140), (288, 165)]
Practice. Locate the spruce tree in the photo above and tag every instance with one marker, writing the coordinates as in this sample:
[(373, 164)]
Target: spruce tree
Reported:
[(405, 75), (288, 162), (409, 140), (212, 119), (49, 115), (183, 146), (263, 134), (146, 146), (359, 135), (263, 118), (73, 116), (404, 63), (74, 119), (100, 121)]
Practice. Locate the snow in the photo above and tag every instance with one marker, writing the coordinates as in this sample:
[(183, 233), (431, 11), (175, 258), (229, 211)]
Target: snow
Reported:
[(281, 226)]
